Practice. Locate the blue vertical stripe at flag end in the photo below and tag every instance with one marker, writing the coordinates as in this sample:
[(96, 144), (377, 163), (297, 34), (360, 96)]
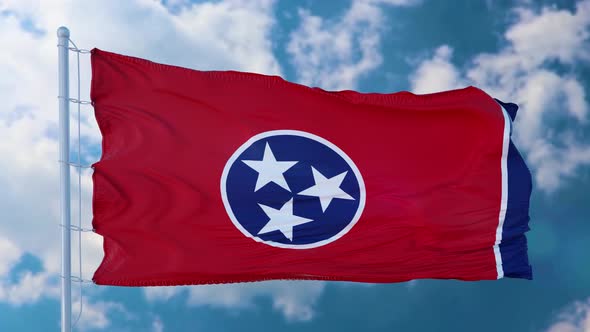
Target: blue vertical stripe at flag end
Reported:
[(513, 248), (511, 108)]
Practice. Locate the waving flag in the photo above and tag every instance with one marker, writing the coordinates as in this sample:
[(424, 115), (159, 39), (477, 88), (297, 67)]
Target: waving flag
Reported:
[(218, 177)]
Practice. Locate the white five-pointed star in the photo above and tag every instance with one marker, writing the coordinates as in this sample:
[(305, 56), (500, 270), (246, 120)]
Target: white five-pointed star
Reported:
[(282, 220), (326, 189), (269, 169)]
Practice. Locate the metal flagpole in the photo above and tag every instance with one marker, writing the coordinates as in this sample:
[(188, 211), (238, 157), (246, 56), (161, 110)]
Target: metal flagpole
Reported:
[(63, 36)]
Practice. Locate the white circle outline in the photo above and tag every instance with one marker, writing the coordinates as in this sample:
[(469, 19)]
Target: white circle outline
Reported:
[(334, 148)]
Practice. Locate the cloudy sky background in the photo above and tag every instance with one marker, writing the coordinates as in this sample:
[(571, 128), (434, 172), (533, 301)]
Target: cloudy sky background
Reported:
[(533, 53)]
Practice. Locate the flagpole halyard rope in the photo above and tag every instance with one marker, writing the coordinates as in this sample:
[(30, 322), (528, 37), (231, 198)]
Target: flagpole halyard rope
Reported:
[(79, 102)]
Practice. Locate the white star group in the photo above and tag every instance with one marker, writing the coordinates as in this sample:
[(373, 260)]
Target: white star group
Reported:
[(270, 170)]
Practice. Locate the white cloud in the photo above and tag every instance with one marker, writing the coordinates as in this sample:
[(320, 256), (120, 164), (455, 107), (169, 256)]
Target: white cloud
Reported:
[(294, 299), (9, 255), (95, 315), (29, 288), (576, 318), (335, 54), (551, 34), (521, 72), (157, 325), (436, 74)]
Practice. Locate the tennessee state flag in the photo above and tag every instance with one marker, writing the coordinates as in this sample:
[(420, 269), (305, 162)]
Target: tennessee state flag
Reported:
[(223, 176)]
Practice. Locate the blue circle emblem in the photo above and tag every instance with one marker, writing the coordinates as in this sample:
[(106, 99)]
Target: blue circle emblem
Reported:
[(292, 189)]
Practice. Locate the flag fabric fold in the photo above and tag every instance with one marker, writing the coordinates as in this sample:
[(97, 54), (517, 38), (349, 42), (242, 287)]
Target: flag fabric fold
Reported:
[(224, 176)]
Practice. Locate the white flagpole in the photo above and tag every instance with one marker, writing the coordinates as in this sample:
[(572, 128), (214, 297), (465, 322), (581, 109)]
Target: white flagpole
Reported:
[(63, 37)]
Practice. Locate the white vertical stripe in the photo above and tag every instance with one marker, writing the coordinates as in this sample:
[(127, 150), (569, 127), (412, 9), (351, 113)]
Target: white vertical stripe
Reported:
[(504, 199)]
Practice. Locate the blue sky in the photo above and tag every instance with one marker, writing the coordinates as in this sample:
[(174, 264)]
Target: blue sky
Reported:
[(534, 53)]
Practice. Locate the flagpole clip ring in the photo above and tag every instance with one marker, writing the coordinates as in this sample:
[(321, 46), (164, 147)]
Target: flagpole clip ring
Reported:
[(78, 229), (74, 164), (77, 279), (77, 101)]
